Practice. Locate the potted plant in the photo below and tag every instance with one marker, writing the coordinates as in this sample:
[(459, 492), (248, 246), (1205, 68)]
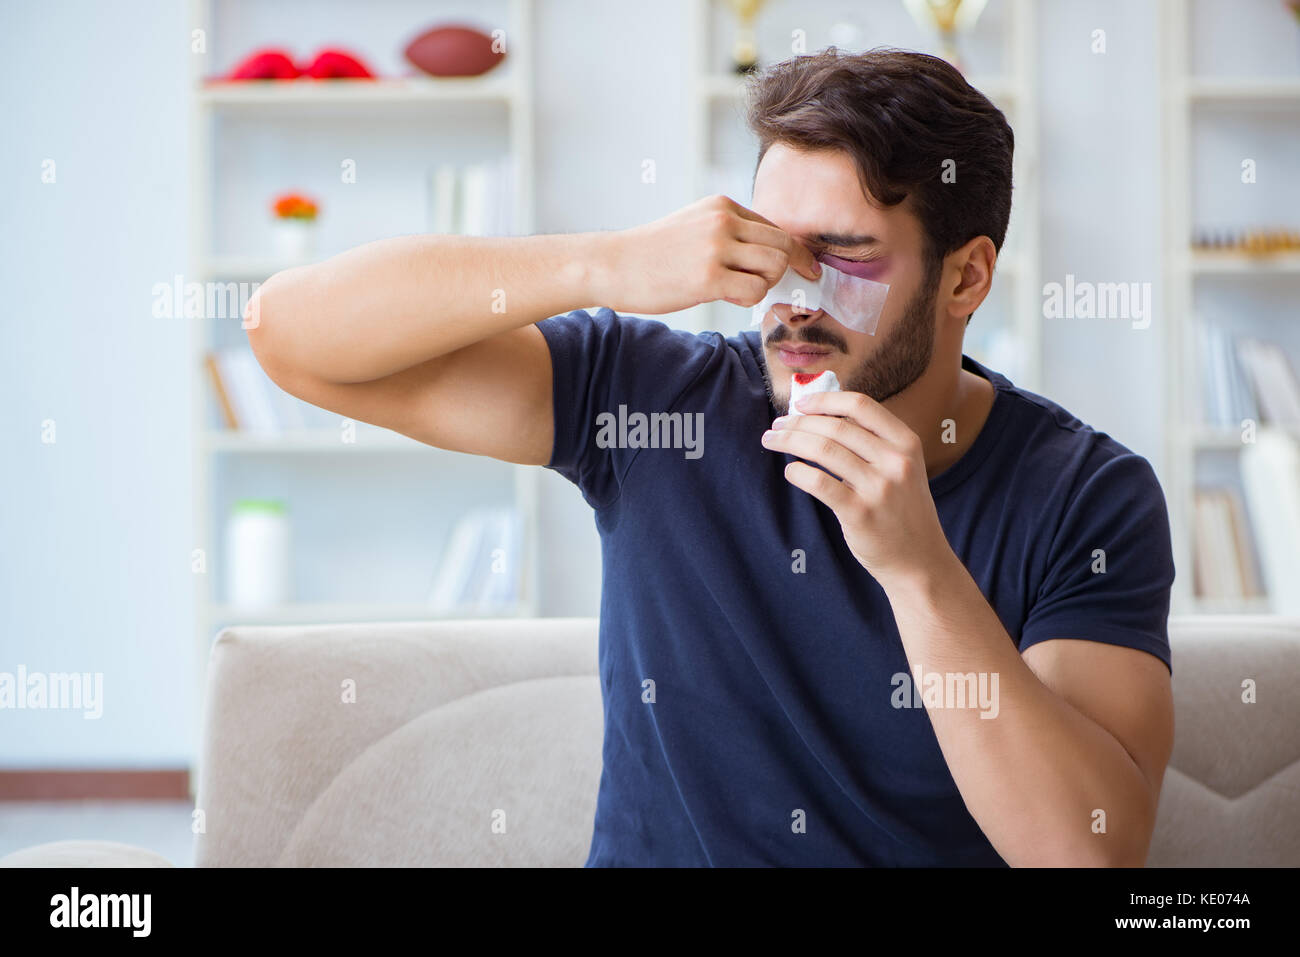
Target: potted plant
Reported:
[(295, 226)]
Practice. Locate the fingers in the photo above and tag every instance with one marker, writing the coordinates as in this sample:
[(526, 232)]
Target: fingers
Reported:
[(866, 412), (764, 261), (865, 445), (753, 228), (824, 451), (743, 288), (828, 490)]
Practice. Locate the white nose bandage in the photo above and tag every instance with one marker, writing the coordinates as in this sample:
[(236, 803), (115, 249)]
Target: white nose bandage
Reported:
[(851, 301)]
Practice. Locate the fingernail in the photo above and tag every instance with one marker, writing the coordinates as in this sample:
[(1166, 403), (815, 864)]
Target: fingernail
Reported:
[(780, 421)]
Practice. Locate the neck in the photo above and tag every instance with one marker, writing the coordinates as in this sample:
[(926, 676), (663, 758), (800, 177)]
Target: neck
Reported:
[(946, 407)]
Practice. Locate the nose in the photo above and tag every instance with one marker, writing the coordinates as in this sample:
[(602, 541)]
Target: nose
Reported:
[(789, 315)]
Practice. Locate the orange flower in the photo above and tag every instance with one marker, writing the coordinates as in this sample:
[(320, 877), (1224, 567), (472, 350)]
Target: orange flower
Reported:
[(294, 206)]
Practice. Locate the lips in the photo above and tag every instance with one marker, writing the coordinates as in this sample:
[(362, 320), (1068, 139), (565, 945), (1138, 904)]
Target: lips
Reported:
[(801, 357)]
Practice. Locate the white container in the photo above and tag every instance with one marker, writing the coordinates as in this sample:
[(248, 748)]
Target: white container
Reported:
[(257, 554), (295, 239)]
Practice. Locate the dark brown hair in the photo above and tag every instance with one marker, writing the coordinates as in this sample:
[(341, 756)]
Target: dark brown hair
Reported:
[(900, 115)]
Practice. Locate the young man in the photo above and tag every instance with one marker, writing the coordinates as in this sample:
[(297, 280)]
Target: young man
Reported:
[(923, 623)]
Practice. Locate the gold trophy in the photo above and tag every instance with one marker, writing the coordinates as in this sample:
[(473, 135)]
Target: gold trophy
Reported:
[(744, 52), (949, 17)]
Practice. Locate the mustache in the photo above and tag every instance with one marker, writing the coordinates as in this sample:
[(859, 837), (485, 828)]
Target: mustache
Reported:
[(814, 335)]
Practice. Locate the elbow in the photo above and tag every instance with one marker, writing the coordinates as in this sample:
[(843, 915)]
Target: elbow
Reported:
[(258, 325), (1096, 850)]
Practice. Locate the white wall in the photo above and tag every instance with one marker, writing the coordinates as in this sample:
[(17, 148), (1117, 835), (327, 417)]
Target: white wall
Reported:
[(1101, 208), (95, 529)]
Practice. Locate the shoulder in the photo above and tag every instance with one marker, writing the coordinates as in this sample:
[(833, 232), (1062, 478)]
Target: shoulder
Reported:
[(1058, 445), (1073, 482)]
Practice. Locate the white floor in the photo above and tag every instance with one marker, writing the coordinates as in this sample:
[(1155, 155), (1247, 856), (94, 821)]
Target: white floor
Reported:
[(160, 826)]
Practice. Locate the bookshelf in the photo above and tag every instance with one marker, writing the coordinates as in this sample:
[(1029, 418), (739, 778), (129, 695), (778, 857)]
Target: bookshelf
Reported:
[(1002, 54), (1230, 91), (376, 502)]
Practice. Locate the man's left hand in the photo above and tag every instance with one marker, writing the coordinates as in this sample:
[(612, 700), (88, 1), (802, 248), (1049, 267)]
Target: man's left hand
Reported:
[(879, 489)]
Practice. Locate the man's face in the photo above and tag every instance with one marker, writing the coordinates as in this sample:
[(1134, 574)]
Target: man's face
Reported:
[(817, 198)]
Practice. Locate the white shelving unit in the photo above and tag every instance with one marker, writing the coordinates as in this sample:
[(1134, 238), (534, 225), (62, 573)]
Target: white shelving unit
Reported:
[(402, 100), (1185, 97), (1015, 91)]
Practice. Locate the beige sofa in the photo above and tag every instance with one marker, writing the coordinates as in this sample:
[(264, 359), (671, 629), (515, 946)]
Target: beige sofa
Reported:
[(477, 743)]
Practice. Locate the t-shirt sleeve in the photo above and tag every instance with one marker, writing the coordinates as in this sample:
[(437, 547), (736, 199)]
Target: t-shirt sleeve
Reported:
[(601, 361), (1111, 564)]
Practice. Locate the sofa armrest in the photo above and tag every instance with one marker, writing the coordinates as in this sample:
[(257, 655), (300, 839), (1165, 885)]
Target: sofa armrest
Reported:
[(84, 854)]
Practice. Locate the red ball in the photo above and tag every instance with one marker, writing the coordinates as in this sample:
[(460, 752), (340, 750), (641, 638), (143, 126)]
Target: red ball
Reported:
[(453, 51)]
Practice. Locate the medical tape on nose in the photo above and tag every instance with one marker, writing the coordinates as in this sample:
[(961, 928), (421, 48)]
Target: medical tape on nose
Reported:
[(852, 301)]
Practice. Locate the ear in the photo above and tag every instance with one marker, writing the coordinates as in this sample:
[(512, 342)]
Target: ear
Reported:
[(967, 277)]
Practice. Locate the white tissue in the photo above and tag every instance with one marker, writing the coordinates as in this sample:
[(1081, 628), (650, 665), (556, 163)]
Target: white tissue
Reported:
[(851, 301), (825, 382)]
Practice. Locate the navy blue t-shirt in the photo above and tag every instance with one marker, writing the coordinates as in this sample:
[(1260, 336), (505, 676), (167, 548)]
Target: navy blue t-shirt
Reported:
[(747, 660)]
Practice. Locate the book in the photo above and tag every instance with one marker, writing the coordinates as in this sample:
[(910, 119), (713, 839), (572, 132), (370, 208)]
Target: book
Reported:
[(1226, 397), (443, 212), (476, 199), (249, 391), (228, 417), (479, 572), (1216, 560), (1270, 475), (1274, 382)]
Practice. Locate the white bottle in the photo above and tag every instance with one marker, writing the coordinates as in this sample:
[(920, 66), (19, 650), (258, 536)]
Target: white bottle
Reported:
[(257, 554)]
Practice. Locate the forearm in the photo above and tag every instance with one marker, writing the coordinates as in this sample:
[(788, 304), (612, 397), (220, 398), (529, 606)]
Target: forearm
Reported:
[(1033, 776), (391, 304)]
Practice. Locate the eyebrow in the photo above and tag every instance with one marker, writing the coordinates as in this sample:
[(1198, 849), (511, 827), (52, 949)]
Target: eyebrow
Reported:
[(843, 240)]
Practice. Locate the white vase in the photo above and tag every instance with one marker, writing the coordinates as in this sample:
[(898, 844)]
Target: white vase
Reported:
[(295, 239), (257, 554)]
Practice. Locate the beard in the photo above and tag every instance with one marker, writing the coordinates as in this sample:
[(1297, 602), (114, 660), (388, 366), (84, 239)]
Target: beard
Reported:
[(900, 359)]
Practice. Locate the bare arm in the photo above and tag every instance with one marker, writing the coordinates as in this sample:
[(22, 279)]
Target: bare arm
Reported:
[(435, 336), (1083, 729)]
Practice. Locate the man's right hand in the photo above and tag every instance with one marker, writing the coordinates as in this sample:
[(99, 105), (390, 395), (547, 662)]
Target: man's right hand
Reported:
[(714, 249)]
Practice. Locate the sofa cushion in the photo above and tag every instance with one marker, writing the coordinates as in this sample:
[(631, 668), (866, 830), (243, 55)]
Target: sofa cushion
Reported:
[(1232, 787), (290, 709), (505, 777)]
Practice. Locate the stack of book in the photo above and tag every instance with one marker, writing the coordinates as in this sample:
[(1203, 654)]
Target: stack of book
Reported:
[(1246, 378), (472, 200), (1224, 566), (1270, 475), (480, 572), (248, 401)]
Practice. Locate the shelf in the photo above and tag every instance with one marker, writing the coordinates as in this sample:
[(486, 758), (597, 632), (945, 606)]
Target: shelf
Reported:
[(726, 86), (311, 613), (1205, 263), (1282, 91), (1214, 439), (246, 268), (409, 91), (293, 442)]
